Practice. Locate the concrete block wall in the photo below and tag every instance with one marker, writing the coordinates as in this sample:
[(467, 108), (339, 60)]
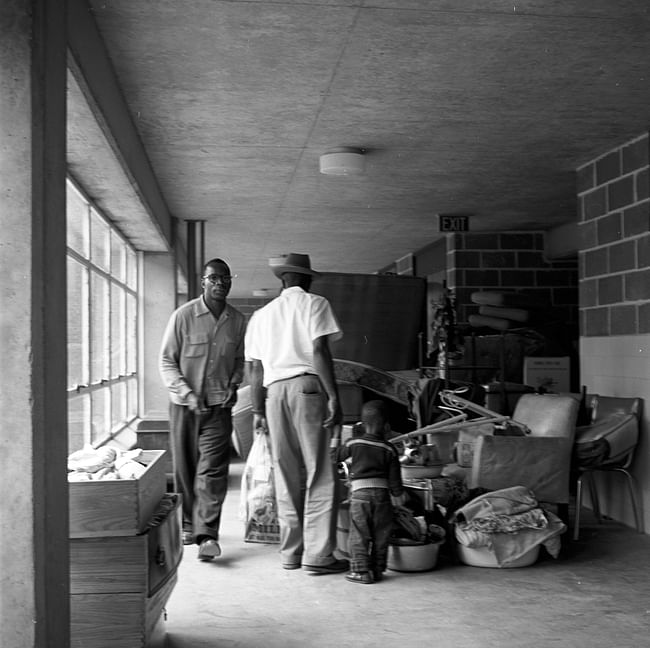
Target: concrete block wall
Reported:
[(614, 214), (511, 261)]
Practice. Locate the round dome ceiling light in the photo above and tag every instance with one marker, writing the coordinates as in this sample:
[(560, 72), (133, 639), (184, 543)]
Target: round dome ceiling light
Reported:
[(344, 160)]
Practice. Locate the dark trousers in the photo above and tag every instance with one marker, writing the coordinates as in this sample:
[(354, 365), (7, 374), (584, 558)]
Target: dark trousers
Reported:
[(371, 522), (200, 446)]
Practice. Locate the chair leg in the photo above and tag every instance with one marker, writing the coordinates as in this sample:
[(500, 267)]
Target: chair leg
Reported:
[(576, 522), (631, 487), (593, 494)]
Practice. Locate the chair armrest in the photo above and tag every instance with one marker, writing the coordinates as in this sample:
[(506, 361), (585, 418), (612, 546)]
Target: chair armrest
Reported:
[(541, 464)]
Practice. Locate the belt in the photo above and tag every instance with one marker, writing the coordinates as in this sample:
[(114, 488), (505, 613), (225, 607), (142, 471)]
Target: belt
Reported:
[(300, 375)]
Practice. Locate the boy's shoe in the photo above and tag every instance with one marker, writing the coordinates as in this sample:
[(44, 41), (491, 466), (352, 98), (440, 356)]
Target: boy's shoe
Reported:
[(365, 578), (209, 549), (188, 538)]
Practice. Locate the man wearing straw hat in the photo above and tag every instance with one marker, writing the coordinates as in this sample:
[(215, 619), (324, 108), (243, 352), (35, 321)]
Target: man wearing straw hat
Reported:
[(295, 399)]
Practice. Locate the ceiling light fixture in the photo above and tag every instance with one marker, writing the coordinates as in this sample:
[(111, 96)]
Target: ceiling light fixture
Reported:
[(344, 160)]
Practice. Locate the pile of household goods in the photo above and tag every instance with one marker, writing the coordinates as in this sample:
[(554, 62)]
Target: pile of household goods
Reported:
[(498, 528), (105, 463)]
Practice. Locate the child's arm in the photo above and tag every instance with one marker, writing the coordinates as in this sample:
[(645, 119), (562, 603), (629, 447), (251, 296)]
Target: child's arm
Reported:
[(398, 495)]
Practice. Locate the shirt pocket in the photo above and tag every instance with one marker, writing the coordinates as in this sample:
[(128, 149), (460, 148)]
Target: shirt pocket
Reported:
[(195, 345), (228, 346)]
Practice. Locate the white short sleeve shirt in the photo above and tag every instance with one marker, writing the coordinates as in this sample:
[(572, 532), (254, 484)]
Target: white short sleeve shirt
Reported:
[(282, 333)]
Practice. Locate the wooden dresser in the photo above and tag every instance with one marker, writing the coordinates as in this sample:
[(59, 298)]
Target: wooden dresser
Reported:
[(125, 548)]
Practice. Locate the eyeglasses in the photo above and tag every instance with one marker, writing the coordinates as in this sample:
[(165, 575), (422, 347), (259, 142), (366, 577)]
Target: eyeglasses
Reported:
[(215, 278)]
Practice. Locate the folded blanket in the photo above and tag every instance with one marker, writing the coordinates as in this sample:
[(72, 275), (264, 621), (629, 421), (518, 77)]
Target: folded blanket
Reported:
[(510, 523)]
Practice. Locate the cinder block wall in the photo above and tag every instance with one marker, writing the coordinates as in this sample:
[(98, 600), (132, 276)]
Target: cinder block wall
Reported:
[(614, 212), (511, 261), (614, 216)]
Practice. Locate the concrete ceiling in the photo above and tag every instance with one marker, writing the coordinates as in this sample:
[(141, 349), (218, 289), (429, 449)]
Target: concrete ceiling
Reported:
[(462, 107)]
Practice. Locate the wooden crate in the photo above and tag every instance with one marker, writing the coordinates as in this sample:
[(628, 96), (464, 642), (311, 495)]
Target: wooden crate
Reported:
[(137, 564), (119, 507), (119, 620), (153, 434)]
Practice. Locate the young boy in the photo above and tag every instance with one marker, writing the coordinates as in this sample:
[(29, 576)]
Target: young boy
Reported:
[(375, 485)]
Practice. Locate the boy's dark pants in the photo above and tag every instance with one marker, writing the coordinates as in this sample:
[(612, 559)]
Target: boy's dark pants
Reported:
[(371, 522)]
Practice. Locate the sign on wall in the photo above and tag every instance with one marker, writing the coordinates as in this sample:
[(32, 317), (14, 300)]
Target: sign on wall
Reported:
[(452, 223)]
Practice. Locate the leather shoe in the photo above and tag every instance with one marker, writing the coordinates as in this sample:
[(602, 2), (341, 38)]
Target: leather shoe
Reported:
[(335, 567), (188, 538), (365, 578), (209, 549)]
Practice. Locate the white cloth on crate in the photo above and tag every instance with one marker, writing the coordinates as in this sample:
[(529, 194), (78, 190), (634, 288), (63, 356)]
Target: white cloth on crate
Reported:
[(510, 523)]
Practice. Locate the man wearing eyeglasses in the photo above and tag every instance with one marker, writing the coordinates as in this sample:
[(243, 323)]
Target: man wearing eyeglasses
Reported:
[(201, 364)]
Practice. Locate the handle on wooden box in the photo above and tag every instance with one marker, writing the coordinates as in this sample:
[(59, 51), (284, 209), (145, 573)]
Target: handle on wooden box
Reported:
[(161, 558)]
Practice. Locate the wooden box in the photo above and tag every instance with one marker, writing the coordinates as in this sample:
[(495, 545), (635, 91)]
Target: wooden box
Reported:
[(118, 507), (119, 585), (129, 564), (153, 434), (119, 620)]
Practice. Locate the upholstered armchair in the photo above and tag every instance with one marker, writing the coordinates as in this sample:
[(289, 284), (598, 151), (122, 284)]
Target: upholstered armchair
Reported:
[(540, 459)]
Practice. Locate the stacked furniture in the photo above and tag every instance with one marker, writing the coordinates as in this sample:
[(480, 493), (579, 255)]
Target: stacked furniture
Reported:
[(540, 460), (125, 548)]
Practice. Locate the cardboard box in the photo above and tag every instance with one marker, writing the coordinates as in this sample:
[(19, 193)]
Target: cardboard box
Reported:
[(118, 507), (548, 374)]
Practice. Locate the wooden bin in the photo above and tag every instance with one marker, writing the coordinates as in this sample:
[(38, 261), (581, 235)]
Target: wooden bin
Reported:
[(119, 620), (118, 507), (119, 585)]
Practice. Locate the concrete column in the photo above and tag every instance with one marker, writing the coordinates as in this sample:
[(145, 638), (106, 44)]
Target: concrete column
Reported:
[(34, 580), (158, 302)]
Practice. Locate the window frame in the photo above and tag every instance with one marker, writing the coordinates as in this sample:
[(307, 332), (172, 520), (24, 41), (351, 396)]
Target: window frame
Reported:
[(125, 280)]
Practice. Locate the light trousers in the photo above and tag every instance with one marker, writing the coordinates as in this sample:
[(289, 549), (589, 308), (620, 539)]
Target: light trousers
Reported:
[(303, 470)]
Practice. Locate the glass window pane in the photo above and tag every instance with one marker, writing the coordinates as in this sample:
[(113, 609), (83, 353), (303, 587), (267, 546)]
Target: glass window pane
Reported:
[(131, 334), (100, 245), (131, 269), (78, 422), (118, 257), (118, 405), (118, 331), (101, 414), (132, 398), (99, 332), (77, 324), (77, 221), (102, 325)]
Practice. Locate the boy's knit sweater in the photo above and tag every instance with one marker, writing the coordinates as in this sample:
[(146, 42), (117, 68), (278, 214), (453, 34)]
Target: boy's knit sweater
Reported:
[(374, 464)]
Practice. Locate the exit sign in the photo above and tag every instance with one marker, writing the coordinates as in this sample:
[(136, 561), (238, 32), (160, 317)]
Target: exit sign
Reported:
[(449, 223)]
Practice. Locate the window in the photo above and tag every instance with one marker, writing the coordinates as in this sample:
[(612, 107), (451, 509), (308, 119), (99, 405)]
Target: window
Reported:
[(102, 325)]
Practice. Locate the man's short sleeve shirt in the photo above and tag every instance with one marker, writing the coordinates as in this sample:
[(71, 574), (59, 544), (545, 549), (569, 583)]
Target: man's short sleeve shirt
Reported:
[(282, 333)]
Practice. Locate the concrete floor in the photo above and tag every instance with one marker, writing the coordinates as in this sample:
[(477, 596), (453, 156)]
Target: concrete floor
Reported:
[(597, 596)]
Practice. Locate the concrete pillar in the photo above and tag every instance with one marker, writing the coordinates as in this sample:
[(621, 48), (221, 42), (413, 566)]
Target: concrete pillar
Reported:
[(158, 301), (34, 580)]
